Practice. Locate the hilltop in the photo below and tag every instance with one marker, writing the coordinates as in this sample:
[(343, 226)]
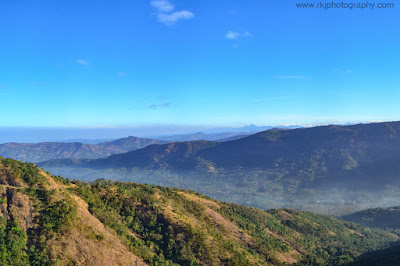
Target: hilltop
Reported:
[(48, 220)]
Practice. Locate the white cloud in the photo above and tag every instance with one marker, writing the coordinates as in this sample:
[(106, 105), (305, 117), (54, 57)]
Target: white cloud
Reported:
[(82, 62), (233, 35), (162, 5), (171, 19), (166, 13)]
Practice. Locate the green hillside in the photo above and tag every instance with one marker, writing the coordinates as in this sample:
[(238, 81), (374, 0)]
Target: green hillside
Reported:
[(48, 220)]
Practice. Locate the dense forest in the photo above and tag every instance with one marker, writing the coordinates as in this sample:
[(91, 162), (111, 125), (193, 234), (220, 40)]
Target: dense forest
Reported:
[(48, 220)]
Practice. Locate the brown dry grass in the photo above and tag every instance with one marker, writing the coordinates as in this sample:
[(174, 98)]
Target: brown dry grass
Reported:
[(3, 206), (21, 209), (52, 184), (200, 200), (81, 246), (232, 230)]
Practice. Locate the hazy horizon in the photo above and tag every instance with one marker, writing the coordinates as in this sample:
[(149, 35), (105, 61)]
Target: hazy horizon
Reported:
[(52, 134)]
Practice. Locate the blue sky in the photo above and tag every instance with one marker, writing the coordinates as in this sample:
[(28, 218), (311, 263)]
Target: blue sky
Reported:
[(70, 63)]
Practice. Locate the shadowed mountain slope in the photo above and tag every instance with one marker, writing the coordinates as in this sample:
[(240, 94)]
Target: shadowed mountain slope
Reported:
[(328, 154), (376, 218)]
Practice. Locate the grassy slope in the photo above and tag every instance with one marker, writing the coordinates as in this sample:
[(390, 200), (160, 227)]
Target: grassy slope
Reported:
[(42, 223), (48, 219)]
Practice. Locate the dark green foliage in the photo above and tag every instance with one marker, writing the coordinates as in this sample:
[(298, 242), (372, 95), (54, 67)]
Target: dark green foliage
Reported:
[(56, 215), (12, 244)]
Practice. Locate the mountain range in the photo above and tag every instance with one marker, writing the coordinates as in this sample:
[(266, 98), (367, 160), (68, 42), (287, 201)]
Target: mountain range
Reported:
[(38, 152), (94, 149), (203, 136), (311, 166), (336, 150), (49, 220), (224, 134)]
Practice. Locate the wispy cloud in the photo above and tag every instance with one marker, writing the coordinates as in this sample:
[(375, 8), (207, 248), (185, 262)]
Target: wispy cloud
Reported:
[(2, 87), (162, 6), (122, 74), (171, 19), (82, 62), (233, 35), (166, 13), (159, 106), (290, 77)]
